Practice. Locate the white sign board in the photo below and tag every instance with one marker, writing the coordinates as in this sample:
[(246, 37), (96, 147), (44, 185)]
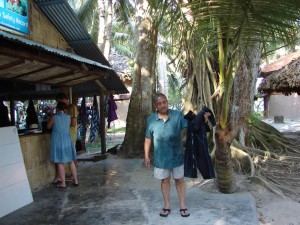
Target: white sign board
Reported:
[(14, 186)]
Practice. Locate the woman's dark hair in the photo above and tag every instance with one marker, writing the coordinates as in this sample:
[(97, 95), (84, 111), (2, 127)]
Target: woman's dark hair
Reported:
[(61, 106), (60, 96)]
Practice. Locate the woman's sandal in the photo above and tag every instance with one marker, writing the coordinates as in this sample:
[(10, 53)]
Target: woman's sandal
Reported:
[(165, 212), (183, 213), (59, 186), (55, 181)]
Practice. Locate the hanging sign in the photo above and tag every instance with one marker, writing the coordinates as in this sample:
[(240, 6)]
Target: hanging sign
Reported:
[(14, 15)]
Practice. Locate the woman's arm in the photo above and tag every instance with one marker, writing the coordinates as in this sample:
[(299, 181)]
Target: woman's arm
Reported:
[(51, 122)]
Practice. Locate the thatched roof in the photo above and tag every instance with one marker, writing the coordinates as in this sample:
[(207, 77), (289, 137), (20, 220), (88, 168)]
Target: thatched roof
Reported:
[(282, 76)]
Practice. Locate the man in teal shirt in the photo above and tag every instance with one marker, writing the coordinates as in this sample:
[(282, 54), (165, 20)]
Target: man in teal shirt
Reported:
[(164, 128)]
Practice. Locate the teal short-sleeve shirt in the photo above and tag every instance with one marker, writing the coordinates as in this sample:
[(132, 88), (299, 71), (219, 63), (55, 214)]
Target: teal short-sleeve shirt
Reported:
[(166, 137)]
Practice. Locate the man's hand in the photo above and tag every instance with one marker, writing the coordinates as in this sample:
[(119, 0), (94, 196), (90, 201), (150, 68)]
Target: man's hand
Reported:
[(147, 144), (147, 162), (206, 115)]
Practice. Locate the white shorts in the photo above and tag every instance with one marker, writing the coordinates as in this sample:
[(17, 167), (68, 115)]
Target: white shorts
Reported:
[(176, 173)]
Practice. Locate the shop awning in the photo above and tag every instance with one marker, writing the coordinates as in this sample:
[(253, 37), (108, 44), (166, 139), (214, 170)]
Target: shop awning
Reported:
[(65, 20), (25, 63)]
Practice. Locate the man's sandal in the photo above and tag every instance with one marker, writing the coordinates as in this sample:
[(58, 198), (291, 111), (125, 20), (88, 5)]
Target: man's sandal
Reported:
[(165, 212), (183, 213)]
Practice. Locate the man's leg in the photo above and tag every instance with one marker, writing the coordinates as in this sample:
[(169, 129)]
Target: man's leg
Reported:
[(165, 188), (180, 187)]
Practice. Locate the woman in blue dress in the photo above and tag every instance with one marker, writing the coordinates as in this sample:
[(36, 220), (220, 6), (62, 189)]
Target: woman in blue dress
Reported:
[(62, 149)]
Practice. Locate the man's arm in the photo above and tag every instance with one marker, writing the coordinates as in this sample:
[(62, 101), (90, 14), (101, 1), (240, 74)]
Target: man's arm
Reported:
[(147, 145)]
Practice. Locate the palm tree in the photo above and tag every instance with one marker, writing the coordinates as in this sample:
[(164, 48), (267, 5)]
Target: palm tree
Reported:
[(144, 79), (227, 36), (219, 44)]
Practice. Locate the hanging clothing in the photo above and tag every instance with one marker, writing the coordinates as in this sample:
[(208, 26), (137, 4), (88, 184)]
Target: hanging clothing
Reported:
[(196, 152), (32, 117), (112, 115), (83, 120), (95, 124)]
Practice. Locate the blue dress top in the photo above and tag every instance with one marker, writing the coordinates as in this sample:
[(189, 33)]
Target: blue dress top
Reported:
[(166, 136), (62, 147)]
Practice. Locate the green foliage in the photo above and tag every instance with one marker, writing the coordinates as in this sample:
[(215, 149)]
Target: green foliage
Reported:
[(254, 118), (124, 11), (175, 96)]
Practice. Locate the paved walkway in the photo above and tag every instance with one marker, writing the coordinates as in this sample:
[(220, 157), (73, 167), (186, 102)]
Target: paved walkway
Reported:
[(120, 191)]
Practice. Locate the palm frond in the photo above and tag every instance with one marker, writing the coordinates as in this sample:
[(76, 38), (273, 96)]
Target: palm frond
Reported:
[(122, 49), (252, 19)]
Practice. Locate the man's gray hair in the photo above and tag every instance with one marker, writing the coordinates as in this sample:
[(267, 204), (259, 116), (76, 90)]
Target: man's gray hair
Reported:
[(158, 95)]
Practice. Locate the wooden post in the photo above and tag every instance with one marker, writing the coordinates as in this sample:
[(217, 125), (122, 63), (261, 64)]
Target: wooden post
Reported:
[(266, 106), (102, 123)]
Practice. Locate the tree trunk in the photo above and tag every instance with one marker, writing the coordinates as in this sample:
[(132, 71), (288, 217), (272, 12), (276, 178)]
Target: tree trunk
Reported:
[(144, 82), (108, 30), (162, 73), (102, 24), (241, 108), (224, 170)]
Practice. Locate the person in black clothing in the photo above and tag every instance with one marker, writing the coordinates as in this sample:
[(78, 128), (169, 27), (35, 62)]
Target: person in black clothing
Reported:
[(4, 119)]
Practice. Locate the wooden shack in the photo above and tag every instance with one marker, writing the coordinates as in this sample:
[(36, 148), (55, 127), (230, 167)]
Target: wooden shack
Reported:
[(55, 54)]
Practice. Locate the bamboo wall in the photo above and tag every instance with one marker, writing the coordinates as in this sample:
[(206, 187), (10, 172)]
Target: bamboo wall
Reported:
[(41, 30), (36, 153)]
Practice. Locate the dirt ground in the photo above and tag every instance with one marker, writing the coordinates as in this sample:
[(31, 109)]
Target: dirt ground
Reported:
[(272, 209)]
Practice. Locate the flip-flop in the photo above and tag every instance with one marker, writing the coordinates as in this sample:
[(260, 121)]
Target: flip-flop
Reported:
[(59, 186), (184, 211), (69, 179), (165, 213), (55, 181), (75, 185)]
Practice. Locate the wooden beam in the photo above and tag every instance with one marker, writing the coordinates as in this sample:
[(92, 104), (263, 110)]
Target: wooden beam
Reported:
[(32, 72), (15, 63), (32, 54), (100, 85), (42, 57), (77, 78), (54, 77)]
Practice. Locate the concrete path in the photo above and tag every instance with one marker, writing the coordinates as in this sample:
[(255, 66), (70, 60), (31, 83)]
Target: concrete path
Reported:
[(120, 191)]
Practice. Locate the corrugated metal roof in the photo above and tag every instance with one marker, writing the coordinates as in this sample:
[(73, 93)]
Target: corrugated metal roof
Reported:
[(62, 16), (52, 50)]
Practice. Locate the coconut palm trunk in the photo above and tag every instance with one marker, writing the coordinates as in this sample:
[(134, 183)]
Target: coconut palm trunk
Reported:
[(239, 109)]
